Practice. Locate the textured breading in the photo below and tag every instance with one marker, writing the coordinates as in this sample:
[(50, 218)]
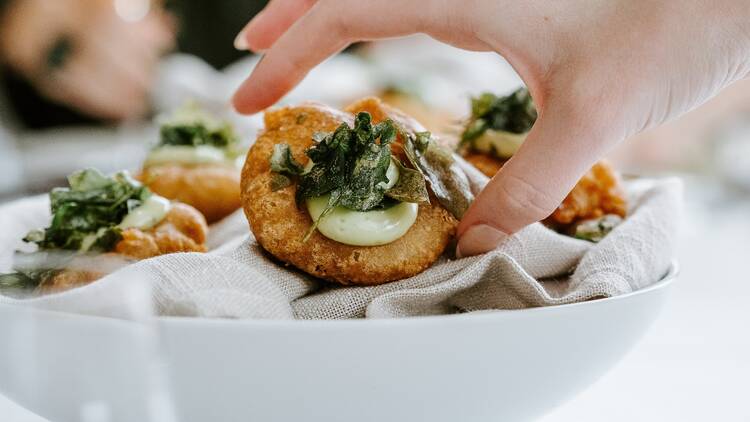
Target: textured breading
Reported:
[(214, 190), (68, 279), (279, 225), (184, 229), (597, 193)]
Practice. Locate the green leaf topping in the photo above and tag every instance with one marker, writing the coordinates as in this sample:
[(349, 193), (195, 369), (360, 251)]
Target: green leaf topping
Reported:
[(20, 284), (86, 215), (514, 113), (410, 187), (191, 126), (447, 181), (283, 162), (350, 164), (596, 229)]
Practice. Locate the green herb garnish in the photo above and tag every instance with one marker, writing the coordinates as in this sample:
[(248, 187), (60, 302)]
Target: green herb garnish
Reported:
[(514, 113), (20, 283), (594, 230), (448, 182), (191, 126), (85, 216), (36, 269), (350, 165)]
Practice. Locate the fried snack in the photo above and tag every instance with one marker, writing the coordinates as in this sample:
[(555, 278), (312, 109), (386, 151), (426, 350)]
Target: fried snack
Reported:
[(68, 279), (280, 226), (597, 193), (214, 190), (183, 230)]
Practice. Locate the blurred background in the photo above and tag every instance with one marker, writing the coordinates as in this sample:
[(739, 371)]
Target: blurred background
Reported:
[(81, 82)]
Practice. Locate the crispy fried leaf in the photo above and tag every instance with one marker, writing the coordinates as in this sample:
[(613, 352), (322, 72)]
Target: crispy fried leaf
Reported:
[(351, 161), (18, 284), (93, 205), (283, 162), (351, 165), (191, 126), (514, 113), (447, 181), (411, 186)]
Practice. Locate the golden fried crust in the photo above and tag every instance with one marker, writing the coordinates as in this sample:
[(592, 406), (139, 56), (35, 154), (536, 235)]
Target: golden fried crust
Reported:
[(68, 279), (183, 230), (279, 225), (212, 189), (599, 192), (294, 126)]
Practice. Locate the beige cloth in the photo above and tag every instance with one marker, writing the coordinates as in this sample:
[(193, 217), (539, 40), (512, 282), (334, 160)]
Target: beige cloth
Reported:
[(536, 267)]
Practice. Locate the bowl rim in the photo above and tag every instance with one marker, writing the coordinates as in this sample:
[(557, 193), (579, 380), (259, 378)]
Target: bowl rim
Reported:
[(667, 279)]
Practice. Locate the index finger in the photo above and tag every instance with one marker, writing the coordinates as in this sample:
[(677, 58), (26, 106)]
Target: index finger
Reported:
[(327, 28)]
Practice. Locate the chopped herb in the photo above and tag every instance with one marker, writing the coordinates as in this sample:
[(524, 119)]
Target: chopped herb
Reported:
[(514, 113), (350, 164), (596, 229), (410, 187), (35, 269), (191, 126), (283, 162), (88, 212), (20, 284)]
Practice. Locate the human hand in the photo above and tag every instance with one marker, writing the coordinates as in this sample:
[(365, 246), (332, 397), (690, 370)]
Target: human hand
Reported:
[(83, 54), (598, 72)]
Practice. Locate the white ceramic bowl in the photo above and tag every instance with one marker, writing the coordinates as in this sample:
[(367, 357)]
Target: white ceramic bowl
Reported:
[(494, 366)]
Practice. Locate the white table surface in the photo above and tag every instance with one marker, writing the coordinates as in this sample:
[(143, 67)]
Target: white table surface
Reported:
[(694, 364)]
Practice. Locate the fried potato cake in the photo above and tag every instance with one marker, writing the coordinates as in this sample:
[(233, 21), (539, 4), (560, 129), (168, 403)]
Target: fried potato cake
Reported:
[(599, 192), (183, 229), (214, 190), (596, 194), (280, 226)]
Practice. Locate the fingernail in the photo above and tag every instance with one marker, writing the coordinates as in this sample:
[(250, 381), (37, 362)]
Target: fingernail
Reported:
[(479, 239), (240, 43)]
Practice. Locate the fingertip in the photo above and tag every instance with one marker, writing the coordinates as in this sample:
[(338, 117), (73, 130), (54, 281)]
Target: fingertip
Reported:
[(240, 42), (479, 239), (245, 103)]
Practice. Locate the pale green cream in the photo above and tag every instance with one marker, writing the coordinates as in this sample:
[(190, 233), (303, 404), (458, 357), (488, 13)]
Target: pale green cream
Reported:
[(202, 154), (150, 213), (500, 143), (368, 228)]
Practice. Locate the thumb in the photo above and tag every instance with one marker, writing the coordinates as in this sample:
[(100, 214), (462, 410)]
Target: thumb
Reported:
[(563, 144)]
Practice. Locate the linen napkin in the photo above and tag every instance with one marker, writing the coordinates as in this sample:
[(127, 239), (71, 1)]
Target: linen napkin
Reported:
[(237, 279)]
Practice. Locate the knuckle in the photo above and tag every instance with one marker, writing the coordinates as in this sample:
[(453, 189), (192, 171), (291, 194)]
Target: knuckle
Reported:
[(338, 26), (525, 200)]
